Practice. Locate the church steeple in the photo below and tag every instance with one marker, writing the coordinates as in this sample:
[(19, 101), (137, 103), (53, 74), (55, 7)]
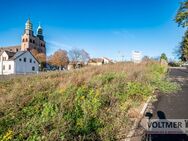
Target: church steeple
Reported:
[(40, 32), (29, 27)]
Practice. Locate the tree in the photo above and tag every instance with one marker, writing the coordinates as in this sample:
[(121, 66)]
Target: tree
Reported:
[(41, 57), (59, 58), (34, 52), (182, 14), (182, 20), (78, 55), (145, 58), (183, 50), (164, 57)]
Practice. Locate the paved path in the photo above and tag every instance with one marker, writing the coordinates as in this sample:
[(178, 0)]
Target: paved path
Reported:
[(175, 105)]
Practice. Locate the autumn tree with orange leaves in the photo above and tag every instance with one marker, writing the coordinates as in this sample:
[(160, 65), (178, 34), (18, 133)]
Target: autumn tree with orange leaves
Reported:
[(59, 59)]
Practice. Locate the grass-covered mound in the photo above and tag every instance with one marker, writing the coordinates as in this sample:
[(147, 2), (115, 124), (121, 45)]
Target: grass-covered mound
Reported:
[(93, 103)]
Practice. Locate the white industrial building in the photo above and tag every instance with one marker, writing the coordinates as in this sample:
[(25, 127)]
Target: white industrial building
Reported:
[(21, 62)]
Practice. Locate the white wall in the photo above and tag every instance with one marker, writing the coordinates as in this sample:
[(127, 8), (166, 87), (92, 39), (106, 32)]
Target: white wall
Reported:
[(6, 63), (17, 66), (106, 61), (22, 67), (136, 56), (4, 54), (7, 70)]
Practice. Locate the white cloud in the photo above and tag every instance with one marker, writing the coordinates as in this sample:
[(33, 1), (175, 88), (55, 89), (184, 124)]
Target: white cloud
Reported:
[(58, 44)]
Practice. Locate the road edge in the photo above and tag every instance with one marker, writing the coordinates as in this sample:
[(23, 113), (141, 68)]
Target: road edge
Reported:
[(137, 121)]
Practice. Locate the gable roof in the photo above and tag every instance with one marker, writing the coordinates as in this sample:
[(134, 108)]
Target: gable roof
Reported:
[(34, 57), (96, 60), (20, 53), (107, 59), (14, 55), (9, 53)]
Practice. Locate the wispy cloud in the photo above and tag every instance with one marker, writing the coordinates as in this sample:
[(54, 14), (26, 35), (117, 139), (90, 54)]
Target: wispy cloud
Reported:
[(55, 45)]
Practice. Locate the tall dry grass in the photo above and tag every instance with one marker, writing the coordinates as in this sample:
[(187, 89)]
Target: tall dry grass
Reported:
[(93, 103)]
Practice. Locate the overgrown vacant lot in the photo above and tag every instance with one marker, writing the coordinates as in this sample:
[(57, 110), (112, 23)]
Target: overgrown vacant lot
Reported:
[(94, 103)]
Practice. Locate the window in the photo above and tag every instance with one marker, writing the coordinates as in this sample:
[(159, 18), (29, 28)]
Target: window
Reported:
[(25, 60), (26, 40), (16, 50), (4, 58), (30, 60), (3, 67), (20, 59), (9, 67), (33, 41), (33, 68), (23, 40), (33, 61), (30, 41)]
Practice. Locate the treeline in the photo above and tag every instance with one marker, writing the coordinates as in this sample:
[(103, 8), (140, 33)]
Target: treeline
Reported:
[(181, 19), (61, 58)]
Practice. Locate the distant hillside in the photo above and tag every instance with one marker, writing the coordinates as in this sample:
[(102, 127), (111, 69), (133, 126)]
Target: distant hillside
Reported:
[(93, 103)]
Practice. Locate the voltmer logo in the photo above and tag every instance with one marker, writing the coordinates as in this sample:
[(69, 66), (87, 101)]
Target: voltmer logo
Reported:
[(168, 126)]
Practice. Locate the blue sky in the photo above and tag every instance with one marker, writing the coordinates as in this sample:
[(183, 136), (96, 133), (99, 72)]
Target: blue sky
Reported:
[(110, 28)]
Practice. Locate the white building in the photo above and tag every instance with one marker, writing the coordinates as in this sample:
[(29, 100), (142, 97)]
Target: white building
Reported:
[(21, 62), (136, 56), (107, 60)]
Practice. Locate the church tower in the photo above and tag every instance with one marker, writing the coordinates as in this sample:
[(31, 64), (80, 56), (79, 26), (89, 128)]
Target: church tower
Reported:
[(29, 28), (30, 41), (27, 36), (40, 32)]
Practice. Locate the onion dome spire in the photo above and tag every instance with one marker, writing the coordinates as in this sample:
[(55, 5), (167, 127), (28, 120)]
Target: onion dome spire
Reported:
[(29, 25), (39, 30)]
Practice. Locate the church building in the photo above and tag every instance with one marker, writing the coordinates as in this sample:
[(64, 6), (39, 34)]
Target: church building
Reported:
[(29, 41), (19, 59)]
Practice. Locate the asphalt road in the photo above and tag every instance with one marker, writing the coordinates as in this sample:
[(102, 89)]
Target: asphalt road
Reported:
[(173, 106)]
